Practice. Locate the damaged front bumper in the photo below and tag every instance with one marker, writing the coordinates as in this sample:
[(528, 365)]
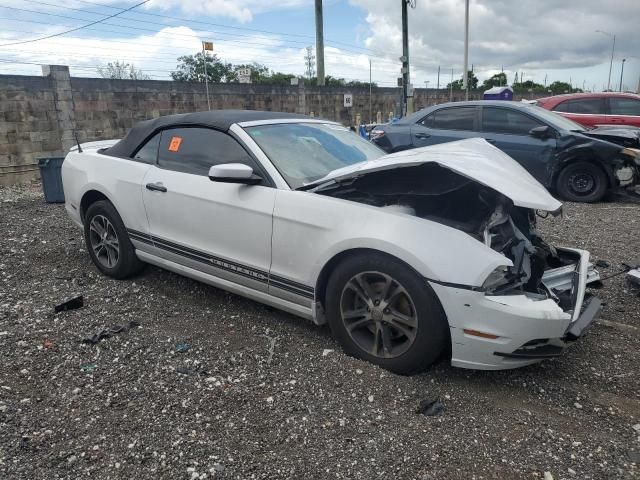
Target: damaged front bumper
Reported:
[(494, 332)]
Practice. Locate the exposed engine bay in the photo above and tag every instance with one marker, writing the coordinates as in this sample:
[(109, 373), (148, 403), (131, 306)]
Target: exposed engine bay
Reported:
[(436, 193)]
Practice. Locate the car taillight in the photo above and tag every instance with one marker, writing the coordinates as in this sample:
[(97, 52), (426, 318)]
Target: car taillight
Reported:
[(375, 134)]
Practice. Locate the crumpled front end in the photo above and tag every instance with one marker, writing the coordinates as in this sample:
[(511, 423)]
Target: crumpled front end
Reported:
[(495, 330)]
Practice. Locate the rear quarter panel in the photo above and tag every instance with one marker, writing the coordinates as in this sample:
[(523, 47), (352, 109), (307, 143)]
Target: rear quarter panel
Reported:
[(120, 180)]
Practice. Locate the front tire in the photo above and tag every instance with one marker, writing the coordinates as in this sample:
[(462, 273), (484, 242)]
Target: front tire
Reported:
[(382, 311), (108, 243), (582, 182)]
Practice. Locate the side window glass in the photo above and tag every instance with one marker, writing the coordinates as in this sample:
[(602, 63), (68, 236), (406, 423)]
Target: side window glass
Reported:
[(195, 150), (457, 118), (149, 151), (624, 106), (502, 120), (428, 121), (562, 107)]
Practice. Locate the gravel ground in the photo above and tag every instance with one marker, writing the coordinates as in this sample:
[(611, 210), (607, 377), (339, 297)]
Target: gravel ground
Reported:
[(262, 394)]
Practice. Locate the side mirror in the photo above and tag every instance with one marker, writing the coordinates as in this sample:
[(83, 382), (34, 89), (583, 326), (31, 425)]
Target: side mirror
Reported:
[(234, 173), (540, 132)]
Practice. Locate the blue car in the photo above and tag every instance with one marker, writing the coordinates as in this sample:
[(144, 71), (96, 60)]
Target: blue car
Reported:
[(564, 156)]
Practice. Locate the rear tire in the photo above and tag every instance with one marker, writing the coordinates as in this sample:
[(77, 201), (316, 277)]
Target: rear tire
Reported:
[(108, 243), (394, 321), (582, 182)]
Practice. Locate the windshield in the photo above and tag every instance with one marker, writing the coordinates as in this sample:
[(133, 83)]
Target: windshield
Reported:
[(304, 152), (556, 120)]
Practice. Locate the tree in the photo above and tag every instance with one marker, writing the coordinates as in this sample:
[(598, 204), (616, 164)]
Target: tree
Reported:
[(562, 87), (191, 68), (497, 80), (121, 71), (471, 78), (330, 81)]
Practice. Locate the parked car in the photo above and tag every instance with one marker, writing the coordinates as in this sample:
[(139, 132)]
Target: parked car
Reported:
[(592, 109), (407, 256), (560, 154)]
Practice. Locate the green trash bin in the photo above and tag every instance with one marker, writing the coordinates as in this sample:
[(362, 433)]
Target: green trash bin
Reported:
[(50, 172)]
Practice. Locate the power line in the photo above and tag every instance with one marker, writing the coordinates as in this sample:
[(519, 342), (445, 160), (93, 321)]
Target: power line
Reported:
[(74, 29)]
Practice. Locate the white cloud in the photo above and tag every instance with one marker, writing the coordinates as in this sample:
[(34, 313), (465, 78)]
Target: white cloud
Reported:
[(534, 35)]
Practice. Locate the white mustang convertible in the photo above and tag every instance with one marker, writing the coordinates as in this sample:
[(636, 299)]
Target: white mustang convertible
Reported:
[(408, 257)]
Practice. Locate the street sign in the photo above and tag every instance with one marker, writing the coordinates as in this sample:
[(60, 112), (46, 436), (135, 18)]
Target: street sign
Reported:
[(348, 100), (207, 46), (244, 75)]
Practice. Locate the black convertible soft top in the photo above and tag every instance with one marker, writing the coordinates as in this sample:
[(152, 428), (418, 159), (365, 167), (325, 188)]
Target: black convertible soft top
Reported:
[(218, 119)]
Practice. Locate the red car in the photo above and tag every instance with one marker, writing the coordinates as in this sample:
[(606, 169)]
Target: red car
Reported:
[(591, 109)]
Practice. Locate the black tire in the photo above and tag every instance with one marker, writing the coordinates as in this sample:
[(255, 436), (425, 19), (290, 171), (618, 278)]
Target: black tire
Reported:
[(582, 182), (429, 339), (126, 263)]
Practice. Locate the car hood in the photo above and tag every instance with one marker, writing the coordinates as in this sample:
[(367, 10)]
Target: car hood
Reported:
[(622, 135), (473, 158)]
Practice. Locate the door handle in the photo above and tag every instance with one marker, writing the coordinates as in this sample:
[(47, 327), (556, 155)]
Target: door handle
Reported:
[(156, 187), (422, 135)]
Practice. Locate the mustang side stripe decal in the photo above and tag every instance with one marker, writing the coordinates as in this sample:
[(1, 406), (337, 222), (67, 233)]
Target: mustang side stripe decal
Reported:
[(227, 265)]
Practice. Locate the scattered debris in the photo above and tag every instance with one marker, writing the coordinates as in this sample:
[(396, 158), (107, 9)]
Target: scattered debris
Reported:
[(634, 456), (326, 352), (88, 368), (47, 343), (71, 304), (633, 276), (184, 370), (182, 347), (602, 264), (577, 405), (272, 346), (431, 407), (548, 476), (109, 332)]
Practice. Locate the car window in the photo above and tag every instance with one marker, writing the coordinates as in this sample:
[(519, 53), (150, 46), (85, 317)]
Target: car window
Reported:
[(149, 151), (304, 152), (457, 118), (195, 150), (624, 106), (503, 120), (584, 105)]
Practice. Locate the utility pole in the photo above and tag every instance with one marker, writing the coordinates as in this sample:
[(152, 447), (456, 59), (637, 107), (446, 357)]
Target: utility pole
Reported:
[(370, 108), (622, 73), (319, 43), (613, 49), (451, 87), (309, 57), (406, 78), (438, 85), (465, 75)]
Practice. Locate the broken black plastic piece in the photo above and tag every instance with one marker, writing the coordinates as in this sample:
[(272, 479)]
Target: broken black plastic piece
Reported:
[(71, 304), (109, 332), (431, 407)]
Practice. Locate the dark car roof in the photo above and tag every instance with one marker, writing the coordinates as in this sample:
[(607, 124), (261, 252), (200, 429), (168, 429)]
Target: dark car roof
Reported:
[(413, 118), (218, 119)]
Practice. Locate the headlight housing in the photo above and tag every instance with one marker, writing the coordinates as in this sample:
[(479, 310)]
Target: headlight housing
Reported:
[(633, 153), (496, 279)]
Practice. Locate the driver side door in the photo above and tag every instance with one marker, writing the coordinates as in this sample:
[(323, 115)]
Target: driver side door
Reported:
[(223, 229)]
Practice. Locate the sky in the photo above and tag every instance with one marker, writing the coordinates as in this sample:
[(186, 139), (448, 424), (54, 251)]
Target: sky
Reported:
[(545, 40)]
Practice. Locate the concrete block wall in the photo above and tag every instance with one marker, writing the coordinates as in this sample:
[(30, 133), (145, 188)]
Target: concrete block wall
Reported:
[(41, 116)]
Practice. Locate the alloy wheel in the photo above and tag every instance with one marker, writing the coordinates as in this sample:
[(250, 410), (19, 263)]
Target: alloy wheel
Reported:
[(378, 314), (104, 241)]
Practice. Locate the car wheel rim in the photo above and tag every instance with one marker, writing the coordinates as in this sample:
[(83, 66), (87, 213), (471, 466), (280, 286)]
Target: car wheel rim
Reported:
[(582, 183), (104, 241), (378, 314)]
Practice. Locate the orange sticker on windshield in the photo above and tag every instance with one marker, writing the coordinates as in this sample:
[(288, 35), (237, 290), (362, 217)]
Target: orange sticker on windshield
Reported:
[(174, 145)]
